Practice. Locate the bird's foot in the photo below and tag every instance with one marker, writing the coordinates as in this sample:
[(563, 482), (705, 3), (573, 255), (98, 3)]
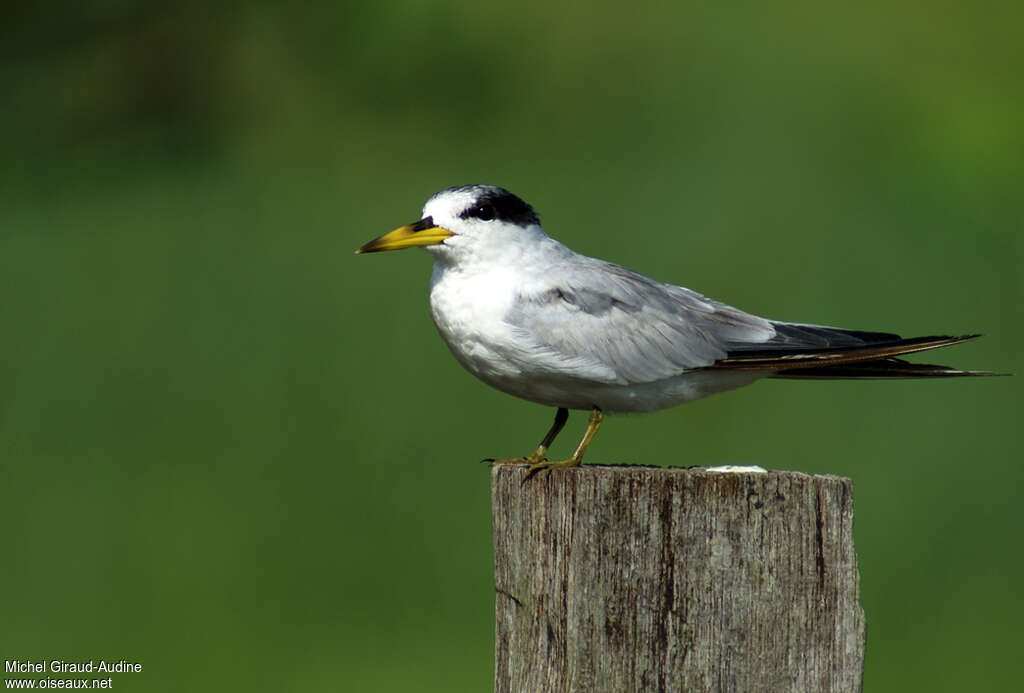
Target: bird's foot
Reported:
[(596, 417), (537, 467)]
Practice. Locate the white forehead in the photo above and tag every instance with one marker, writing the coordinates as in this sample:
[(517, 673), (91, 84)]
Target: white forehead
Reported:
[(448, 203)]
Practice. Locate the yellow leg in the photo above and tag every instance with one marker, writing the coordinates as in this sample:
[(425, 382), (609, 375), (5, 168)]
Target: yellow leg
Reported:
[(540, 454), (594, 423)]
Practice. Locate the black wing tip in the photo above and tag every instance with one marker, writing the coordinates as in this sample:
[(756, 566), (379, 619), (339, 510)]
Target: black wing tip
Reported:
[(876, 360), (785, 357)]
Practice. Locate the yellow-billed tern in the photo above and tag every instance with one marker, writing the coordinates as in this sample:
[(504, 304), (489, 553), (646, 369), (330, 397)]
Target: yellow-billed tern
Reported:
[(534, 319)]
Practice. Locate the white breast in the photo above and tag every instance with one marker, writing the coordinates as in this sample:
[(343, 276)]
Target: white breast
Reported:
[(468, 309)]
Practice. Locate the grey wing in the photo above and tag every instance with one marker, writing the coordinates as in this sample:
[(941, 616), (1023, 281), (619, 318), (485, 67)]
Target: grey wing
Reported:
[(604, 322)]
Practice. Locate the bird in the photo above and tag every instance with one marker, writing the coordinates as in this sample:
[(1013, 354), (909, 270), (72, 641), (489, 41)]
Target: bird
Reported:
[(534, 319)]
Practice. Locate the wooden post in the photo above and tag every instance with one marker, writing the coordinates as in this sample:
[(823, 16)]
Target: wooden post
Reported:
[(615, 578)]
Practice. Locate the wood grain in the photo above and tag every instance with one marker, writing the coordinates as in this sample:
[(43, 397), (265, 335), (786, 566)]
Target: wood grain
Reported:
[(618, 578)]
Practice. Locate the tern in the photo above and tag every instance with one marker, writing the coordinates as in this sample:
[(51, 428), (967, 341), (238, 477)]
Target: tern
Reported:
[(534, 319)]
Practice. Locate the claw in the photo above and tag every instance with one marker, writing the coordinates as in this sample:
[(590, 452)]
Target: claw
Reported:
[(532, 473), (506, 460)]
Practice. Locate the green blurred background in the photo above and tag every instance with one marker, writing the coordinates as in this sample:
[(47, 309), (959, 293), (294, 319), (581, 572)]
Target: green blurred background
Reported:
[(240, 455)]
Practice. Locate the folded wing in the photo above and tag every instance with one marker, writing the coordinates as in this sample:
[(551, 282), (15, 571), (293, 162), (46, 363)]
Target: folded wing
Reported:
[(606, 323)]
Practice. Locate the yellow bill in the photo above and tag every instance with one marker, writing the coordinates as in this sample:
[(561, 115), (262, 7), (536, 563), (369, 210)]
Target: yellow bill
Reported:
[(423, 232)]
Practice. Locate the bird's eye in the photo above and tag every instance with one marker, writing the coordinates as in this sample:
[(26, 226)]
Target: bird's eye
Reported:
[(484, 212)]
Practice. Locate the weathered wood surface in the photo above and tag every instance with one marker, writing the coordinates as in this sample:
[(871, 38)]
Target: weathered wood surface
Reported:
[(614, 578)]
